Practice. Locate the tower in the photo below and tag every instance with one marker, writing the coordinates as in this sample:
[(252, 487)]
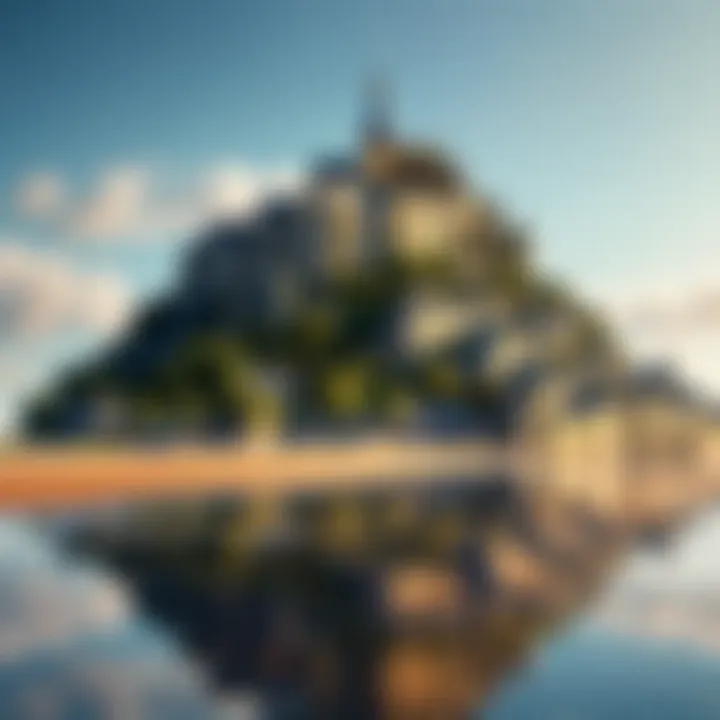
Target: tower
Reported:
[(376, 124), (377, 141)]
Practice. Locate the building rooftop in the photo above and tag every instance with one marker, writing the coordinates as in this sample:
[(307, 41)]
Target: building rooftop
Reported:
[(659, 381), (415, 167)]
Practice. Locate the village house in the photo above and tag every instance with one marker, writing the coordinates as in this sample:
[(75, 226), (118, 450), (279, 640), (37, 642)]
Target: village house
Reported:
[(664, 475), (624, 450), (710, 438), (431, 321)]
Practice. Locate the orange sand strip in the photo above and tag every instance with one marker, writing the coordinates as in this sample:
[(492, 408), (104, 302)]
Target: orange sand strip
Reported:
[(37, 477)]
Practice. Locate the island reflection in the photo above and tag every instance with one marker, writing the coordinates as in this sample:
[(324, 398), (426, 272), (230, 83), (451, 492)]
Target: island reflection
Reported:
[(399, 603)]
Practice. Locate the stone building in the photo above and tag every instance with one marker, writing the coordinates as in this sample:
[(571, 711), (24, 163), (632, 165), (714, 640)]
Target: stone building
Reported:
[(387, 200), (631, 449), (710, 434), (586, 454), (251, 269), (664, 448), (432, 321)]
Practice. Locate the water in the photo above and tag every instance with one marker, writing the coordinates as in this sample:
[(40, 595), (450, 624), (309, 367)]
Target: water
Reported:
[(75, 645), (649, 648), (595, 673)]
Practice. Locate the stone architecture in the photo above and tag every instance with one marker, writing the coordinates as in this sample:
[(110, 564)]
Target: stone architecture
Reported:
[(390, 200), (627, 445)]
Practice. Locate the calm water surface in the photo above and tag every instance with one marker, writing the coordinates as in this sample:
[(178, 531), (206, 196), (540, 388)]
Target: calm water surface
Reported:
[(74, 645)]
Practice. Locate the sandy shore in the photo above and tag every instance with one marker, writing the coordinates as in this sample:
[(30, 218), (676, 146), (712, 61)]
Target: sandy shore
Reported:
[(39, 477)]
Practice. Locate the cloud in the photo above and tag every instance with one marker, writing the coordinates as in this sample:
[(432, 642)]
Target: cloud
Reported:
[(677, 320), (134, 202), (673, 593), (241, 190), (118, 205), (678, 312), (231, 190), (69, 633), (44, 601), (42, 293), (683, 618), (40, 196)]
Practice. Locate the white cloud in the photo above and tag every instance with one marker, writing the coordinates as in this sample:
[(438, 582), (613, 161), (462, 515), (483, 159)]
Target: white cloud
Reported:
[(40, 196), (43, 601), (231, 190), (676, 320), (133, 202), (683, 618), (241, 190), (79, 623), (118, 205), (683, 311), (42, 293), (673, 593)]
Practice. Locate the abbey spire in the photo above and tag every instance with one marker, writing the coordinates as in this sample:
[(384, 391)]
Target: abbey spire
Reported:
[(376, 122)]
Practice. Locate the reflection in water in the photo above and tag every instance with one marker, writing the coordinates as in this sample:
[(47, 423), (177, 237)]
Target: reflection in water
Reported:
[(594, 674), (411, 606), (375, 605), (646, 648), (71, 648)]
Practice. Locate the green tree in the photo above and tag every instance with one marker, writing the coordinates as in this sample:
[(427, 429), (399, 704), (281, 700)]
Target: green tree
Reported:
[(400, 405), (443, 379), (263, 411), (346, 389), (316, 331)]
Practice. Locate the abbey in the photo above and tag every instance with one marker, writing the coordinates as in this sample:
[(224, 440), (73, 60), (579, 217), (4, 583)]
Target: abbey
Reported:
[(388, 201)]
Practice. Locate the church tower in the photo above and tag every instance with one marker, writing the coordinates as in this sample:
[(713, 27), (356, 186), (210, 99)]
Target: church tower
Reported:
[(377, 126), (377, 150)]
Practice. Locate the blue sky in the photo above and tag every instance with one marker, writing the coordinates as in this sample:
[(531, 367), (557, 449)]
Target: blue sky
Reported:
[(595, 122)]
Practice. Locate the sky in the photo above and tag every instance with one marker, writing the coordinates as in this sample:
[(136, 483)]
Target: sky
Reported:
[(125, 123)]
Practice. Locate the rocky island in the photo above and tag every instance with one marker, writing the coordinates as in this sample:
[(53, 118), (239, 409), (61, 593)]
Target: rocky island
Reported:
[(387, 297)]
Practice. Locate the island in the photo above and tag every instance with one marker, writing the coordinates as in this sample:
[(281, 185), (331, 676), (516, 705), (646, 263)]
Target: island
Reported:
[(388, 302)]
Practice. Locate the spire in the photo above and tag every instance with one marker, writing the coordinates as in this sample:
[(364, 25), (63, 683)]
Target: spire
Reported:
[(377, 124)]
